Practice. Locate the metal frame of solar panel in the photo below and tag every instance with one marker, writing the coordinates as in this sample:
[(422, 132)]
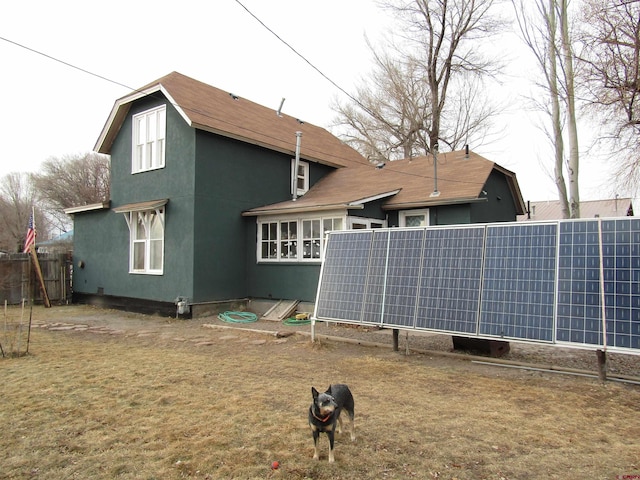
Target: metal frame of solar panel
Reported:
[(541, 282)]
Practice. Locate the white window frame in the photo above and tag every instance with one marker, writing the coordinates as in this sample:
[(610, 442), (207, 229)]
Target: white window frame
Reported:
[(402, 216), (301, 177), (279, 245), (149, 244), (148, 140), (363, 223)]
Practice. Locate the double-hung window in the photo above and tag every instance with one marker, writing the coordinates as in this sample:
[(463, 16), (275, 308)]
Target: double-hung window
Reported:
[(300, 178), (147, 241), (288, 240), (311, 239), (149, 130)]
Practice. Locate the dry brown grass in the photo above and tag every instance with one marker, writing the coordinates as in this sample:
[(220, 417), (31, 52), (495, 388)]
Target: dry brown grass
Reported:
[(14, 330), (164, 405)]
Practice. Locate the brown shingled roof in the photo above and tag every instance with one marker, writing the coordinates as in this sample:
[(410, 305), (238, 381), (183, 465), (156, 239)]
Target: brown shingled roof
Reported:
[(208, 108), (405, 184)]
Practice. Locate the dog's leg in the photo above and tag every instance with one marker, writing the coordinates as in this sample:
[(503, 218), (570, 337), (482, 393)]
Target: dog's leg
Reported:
[(330, 434), (353, 425), (339, 424), (316, 436)]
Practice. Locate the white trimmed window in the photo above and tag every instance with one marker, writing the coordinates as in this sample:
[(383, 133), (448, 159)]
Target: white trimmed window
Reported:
[(360, 223), (311, 239), (149, 129), (288, 240), (146, 253), (295, 239), (414, 218), (300, 178)]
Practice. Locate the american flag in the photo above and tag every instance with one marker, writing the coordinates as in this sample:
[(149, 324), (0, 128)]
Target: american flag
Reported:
[(31, 234)]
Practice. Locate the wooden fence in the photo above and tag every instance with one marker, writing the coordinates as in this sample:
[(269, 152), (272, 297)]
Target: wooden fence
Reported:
[(18, 279)]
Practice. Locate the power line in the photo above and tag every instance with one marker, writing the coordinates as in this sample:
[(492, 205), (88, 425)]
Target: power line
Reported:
[(135, 90), (306, 60), (67, 64)]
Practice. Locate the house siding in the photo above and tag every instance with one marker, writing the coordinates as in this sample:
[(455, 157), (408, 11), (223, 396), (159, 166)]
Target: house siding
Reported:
[(500, 205), (371, 210), (104, 237), (231, 177), (450, 214)]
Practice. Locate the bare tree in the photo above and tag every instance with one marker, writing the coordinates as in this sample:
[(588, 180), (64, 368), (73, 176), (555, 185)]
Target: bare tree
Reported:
[(611, 38), (544, 26), (428, 90), (17, 198), (388, 120), (73, 180)]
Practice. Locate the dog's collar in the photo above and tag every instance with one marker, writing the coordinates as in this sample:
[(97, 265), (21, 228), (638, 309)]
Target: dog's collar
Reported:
[(321, 419)]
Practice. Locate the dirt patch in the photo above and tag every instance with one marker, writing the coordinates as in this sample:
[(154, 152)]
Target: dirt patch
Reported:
[(105, 394)]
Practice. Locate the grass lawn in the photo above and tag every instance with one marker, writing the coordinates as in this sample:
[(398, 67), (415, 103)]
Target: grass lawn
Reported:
[(169, 403)]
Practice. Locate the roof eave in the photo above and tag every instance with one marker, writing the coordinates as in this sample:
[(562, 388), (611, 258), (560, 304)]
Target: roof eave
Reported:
[(87, 208), (141, 206), (119, 114), (431, 203), (300, 209)]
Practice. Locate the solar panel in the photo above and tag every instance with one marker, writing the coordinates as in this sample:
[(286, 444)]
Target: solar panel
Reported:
[(518, 281), (344, 275), (403, 274), (579, 311), (621, 266), (536, 282), (449, 292), (376, 278)]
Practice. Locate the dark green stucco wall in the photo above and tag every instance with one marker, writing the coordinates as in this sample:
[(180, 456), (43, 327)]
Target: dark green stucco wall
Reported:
[(370, 210), (210, 248), (500, 205), (102, 239), (232, 177)]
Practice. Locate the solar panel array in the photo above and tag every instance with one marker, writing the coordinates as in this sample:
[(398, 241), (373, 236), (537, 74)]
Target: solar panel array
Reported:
[(535, 282)]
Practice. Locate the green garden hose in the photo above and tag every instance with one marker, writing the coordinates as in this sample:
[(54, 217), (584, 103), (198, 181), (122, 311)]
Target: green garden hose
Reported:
[(296, 321), (238, 317)]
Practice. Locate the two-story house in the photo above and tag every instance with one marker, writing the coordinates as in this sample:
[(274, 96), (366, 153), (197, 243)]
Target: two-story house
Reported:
[(217, 200)]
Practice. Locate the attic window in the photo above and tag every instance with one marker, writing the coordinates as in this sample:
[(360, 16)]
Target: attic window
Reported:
[(302, 178), (149, 129)]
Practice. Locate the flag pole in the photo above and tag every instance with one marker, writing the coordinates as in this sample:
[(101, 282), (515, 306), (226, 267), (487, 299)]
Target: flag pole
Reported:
[(30, 247), (36, 265)]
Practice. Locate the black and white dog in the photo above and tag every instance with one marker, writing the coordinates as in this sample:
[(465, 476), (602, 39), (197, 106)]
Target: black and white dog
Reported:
[(324, 414)]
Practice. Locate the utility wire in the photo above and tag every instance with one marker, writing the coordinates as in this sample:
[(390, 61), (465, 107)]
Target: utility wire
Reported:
[(135, 90), (306, 60), (67, 64)]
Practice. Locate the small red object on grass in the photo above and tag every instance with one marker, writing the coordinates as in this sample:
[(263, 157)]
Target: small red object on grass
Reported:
[(275, 464)]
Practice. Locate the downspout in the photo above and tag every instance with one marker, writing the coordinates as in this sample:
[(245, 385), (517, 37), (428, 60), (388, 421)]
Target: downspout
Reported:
[(296, 165)]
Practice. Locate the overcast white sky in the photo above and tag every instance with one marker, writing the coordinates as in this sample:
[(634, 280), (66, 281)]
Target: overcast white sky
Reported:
[(51, 109)]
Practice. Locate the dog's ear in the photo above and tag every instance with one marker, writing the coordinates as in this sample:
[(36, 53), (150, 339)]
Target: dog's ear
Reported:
[(314, 392), (329, 390)]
